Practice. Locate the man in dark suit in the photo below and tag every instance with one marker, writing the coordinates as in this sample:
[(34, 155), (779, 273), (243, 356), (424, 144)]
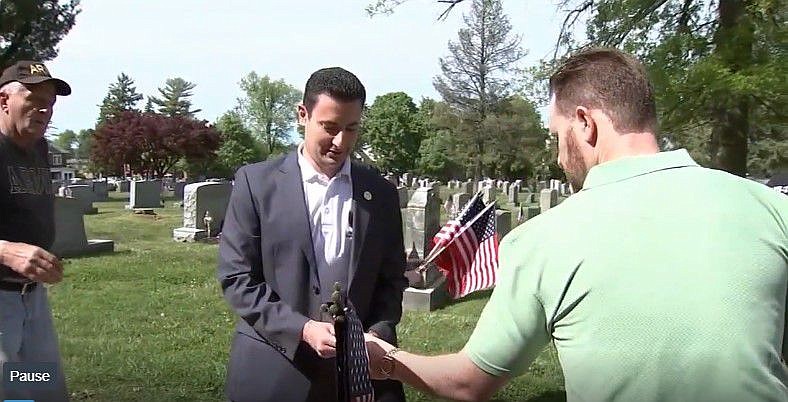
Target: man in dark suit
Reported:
[(294, 226)]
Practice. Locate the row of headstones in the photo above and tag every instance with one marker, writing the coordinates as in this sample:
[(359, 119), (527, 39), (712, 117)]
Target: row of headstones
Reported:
[(468, 186), (85, 194)]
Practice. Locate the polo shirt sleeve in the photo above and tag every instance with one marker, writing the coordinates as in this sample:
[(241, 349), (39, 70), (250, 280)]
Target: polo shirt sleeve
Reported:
[(512, 330)]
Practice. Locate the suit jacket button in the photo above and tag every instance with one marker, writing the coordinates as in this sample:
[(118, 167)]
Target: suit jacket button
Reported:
[(317, 290)]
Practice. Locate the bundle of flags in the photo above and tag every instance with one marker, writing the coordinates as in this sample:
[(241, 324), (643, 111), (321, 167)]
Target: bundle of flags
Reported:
[(466, 249), (353, 382)]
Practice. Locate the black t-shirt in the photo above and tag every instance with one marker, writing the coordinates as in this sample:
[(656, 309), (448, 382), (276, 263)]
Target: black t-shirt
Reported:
[(27, 205)]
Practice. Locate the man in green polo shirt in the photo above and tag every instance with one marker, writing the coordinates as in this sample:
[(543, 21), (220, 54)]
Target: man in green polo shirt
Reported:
[(659, 280)]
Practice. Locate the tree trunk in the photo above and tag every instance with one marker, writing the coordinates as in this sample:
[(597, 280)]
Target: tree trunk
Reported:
[(733, 42)]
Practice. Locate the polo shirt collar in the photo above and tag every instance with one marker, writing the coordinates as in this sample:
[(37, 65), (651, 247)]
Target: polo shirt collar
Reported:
[(633, 166)]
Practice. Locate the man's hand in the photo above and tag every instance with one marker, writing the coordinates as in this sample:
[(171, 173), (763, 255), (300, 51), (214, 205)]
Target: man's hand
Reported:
[(32, 262), (376, 349), (320, 336)]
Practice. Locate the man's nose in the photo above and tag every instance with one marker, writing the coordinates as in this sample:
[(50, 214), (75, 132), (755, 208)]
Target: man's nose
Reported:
[(339, 139)]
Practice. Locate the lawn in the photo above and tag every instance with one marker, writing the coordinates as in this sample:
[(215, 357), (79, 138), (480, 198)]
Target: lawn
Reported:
[(147, 322)]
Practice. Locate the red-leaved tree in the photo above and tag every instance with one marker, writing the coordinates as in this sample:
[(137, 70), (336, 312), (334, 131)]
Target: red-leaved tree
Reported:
[(151, 143)]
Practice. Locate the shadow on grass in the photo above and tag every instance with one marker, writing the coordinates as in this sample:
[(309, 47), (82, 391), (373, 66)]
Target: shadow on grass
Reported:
[(481, 295), (96, 255), (551, 396)]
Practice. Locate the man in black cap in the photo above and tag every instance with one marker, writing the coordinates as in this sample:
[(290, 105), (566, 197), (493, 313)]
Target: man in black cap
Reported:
[(27, 229)]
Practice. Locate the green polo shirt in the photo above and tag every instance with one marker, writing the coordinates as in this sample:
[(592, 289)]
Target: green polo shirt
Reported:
[(660, 281)]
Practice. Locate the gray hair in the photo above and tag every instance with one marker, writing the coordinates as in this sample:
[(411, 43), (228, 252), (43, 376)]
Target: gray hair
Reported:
[(12, 87)]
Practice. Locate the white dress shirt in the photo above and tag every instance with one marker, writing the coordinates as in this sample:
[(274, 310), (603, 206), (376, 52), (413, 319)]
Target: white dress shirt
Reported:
[(329, 203)]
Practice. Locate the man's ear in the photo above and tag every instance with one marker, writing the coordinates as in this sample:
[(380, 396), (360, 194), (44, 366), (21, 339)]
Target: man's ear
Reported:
[(586, 125), (303, 115), (4, 102)]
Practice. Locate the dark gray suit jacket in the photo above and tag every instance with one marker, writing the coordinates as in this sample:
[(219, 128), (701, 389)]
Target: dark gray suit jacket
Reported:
[(269, 277)]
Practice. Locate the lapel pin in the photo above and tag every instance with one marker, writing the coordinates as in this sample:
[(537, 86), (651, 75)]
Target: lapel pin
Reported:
[(368, 196)]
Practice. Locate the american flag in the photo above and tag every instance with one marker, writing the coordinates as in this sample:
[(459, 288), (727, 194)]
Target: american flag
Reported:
[(352, 360), (470, 258)]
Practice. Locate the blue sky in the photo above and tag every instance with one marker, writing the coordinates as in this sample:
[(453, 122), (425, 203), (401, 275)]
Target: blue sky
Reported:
[(215, 43)]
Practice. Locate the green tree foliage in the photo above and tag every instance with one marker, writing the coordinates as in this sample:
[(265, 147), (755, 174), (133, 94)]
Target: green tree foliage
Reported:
[(31, 29), (718, 68), (122, 96), (474, 76), (66, 140), (238, 146), (175, 98), (517, 147), (393, 130), (268, 110)]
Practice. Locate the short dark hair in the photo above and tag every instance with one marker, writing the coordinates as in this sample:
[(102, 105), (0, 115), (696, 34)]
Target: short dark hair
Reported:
[(610, 80), (335, 82)]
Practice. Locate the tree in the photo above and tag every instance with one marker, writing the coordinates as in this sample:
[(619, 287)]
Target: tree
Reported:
[(517, 146), (31, 29), (152, 144), (394, 132), (84, 143), (238, 147), (268, 109), (718, 68), (174, 99), (66, 140), (474, 77), (122, 96)]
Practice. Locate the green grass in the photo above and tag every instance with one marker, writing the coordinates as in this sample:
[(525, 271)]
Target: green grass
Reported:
[(147, 322)]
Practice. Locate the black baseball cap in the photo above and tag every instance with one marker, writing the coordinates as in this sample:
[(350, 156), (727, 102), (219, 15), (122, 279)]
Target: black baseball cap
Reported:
[(33, 72)]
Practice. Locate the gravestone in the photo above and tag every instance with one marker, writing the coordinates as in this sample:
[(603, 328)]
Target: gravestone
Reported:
[(541, 185), (531, 212), (201, 200), (490, 194), (459, 200), (505, 187), (177, 190), (503, 222), (513, 195), (406, 179), (144, 195), (100, 190), (84, 194), (421, 220), (402, 192), (124, 186), (70, 238), (548, 198)]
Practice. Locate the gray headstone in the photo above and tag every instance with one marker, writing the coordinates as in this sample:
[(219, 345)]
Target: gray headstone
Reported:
[(84, 194), (100, 190), (505, 187), (124, 186), (402, 192), (145, 194), (421, 219), (513, 195), (178, 189), (503, 222), (70, 238), (490, 194), (459, 200), (467, 187), (547, 199), (541, 185), (199, 199)]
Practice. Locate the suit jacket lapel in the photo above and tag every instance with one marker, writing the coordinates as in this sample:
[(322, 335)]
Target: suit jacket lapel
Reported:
[(361, 213), (292, 188)]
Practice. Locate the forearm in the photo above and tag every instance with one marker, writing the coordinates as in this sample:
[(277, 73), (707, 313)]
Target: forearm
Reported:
[(445, 376)]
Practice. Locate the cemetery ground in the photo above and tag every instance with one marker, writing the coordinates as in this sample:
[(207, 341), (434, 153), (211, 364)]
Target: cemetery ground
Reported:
[(148, 323)]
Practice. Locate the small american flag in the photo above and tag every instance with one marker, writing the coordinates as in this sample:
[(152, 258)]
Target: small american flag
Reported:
[(352, 361), (470, 258)]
